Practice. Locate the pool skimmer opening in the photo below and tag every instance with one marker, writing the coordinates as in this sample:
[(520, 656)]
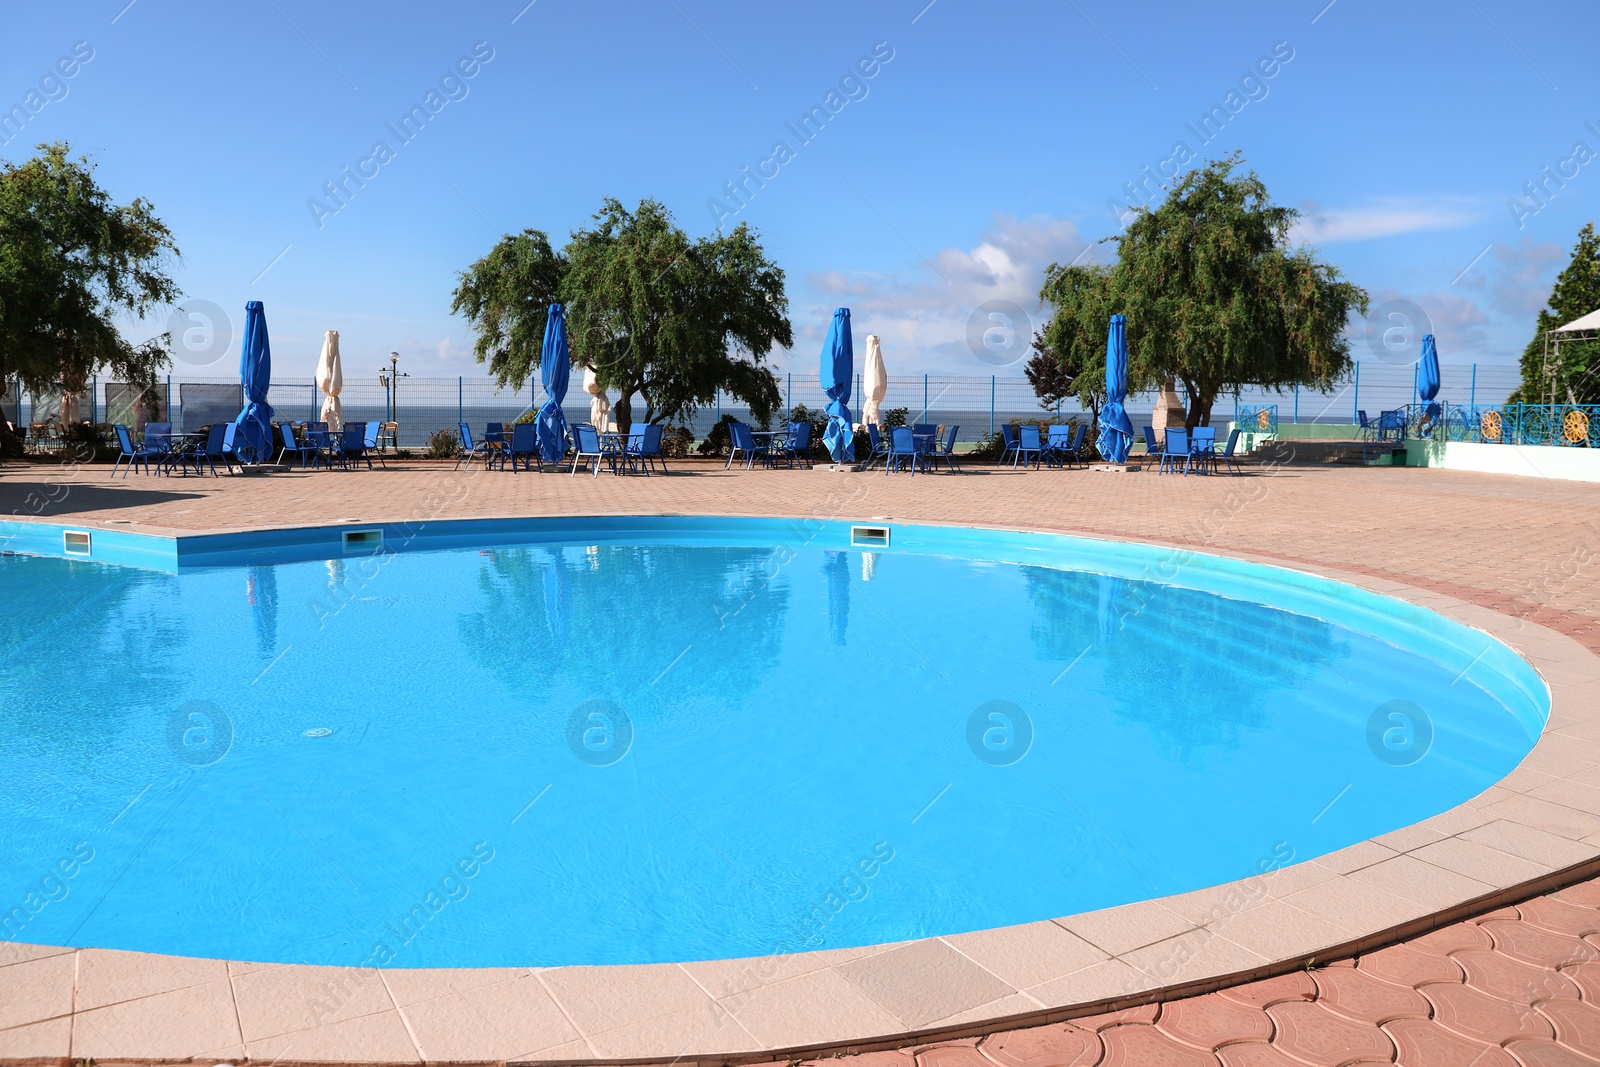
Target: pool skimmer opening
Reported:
[(869, 537), (75, 542), (363, 540)]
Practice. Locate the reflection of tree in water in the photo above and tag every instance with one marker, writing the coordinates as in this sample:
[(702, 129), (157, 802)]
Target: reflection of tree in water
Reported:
[(84, 652), (627, 612), (1174, 659)]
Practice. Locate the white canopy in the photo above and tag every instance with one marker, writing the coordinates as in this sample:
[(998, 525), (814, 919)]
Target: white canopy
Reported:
[(1581, 324), (874, 382), (330, 379), (599, 403)]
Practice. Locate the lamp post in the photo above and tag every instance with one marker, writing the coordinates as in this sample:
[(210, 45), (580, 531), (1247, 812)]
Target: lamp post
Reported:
[(383, 380), (395, 374)]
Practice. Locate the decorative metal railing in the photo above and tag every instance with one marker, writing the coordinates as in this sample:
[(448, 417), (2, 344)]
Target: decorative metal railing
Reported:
[(1256, 418), (1562, 425)]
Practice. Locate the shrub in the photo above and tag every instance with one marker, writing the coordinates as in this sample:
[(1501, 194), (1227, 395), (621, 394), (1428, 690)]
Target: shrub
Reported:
[(89, 444), (531, 415), (443, 444), (719, 440), (675, 442)]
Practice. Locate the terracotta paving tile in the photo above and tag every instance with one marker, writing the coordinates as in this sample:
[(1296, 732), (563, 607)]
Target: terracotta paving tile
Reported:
[(1361, 997), (1409, 966), (1313, 1033), (1586, 976), (866, 1059), (1478, 1016), (1043, 1046), (1521, 983), (1583, 894), (953, 1055), (1424, 1044), (1144, 1013), (1145, 1046), (1548, 1054), (1521, 941), (1557, 916), (1452, 938), (1296, 985), (1210, 1022), (1577, 1024)]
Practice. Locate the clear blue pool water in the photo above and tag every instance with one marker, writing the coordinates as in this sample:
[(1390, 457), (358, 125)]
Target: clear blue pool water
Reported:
[(638, 748)]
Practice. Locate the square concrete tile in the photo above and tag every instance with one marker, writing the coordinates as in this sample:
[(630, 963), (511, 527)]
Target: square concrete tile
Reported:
[(409, 985), (1548, 815), (109, 977), (1027, 955), (724, 978), (1356, 906), (185, 1023), (924, 981), (1426, 884), (1415, 836), (1197, 954), (598, 999), (1096, 982), (1480, 861), (281, 999), (377, 1038), (36, 990), (1530, 843), (1119, 930), (1278, 930), (1572, 793), (1356, 856), (493, 1021), (17, 952), (802, 1009), (703, 1030), (49, 1040), (1006, 1007)]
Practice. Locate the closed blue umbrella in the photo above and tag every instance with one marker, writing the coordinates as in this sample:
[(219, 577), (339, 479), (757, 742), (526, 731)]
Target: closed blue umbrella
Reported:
[(1428, 373), (255, 374), (838, 364), (1116, 432), (555, 367)]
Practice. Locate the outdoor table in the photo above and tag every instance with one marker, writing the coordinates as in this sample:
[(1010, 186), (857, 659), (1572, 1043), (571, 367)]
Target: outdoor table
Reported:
[(775, 440), (615, 445), (178, 450)]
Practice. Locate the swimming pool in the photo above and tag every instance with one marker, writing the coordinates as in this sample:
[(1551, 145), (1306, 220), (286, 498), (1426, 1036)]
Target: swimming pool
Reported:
[(594, 741)]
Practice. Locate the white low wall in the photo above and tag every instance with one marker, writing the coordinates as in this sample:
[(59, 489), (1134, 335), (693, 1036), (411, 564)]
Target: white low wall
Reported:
[(1536, 461)]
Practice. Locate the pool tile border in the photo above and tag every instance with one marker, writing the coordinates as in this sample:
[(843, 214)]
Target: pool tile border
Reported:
[(1533, 832)]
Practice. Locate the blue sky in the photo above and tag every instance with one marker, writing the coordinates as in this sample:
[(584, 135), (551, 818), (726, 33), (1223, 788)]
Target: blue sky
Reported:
[(988, 141)]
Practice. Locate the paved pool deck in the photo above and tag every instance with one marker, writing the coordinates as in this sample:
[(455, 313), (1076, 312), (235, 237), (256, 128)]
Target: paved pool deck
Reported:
[(1473, 937)]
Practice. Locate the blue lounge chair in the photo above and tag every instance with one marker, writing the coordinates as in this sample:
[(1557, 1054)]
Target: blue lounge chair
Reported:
[(586, 446), (1225, 457), (744, 441), (1174, 448), (131, 454), (1028, 444), (1008, 435), (903, 448)]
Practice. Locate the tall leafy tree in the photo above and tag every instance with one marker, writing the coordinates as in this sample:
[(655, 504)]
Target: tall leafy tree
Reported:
[(1069, 354), (656, 313), (1216, 296), (1570, 374), (71, 260)]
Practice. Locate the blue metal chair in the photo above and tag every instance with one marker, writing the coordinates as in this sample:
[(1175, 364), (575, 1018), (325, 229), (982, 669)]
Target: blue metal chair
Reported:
[(1057, 440), (1071, 453), (1225, 457), (1028, 444), (158, 444), (289, 445), (470, 451), (880, 447), (1202, 449), (213, 450), (369, 441), (632, 451), (586, 445), (798, 444), (1152, 447), (1174, 448), (131, 454), (902, 447), (650, 448), (1008, 435), (744, 441), (494, 441), (947, 451), (922, 429), (350, 446), (523, 448)]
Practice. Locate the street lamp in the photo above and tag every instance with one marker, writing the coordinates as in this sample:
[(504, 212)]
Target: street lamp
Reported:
[(395, 375)]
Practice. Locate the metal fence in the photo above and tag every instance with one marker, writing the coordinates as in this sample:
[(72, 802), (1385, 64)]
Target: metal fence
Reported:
[(1560, 425), (978, 405)]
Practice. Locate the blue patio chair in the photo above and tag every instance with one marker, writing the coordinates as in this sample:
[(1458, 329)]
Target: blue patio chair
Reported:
[(158, 444), (213, 450), (1202, 449), (880, 447), (1225, 457), (650, 448), (586, 446), (351, 445), (1028, 444), (744, 441), (1152, 447), (903, 447), (470, 451), (230, 444), (1364, 423), (523, 448), (947, 451), (494, 441), (1072, 452), (1057, 440), (1174, 448), (290, 445), (922, 429), (369, 441), (1008, 435), (131, 454), (799, 443), (632, 448)]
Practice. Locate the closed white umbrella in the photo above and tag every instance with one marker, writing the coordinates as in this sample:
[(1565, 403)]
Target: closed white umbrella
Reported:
[(599, 403), (330, 379), (874, 382)]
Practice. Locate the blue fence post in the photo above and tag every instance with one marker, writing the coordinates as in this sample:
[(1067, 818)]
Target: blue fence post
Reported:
[(461, 400), (719, 405), (94, 402), (1472, 397), (1297, 405), (1355, 406), (991, 405), (788, 395), (924, 398)]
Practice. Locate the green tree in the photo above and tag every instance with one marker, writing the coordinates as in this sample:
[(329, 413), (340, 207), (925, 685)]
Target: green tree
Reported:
[(70, 260), (1574, 377), (655, 313), (1069, 357), (1215, 295)]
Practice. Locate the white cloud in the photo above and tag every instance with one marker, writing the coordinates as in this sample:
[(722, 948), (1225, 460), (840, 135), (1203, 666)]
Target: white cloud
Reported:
[(1318, 225), (923, 322)]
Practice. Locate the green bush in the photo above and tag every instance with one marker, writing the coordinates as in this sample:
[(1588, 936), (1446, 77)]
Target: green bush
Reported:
[(675, 442), (443, 444), (719, 440)]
